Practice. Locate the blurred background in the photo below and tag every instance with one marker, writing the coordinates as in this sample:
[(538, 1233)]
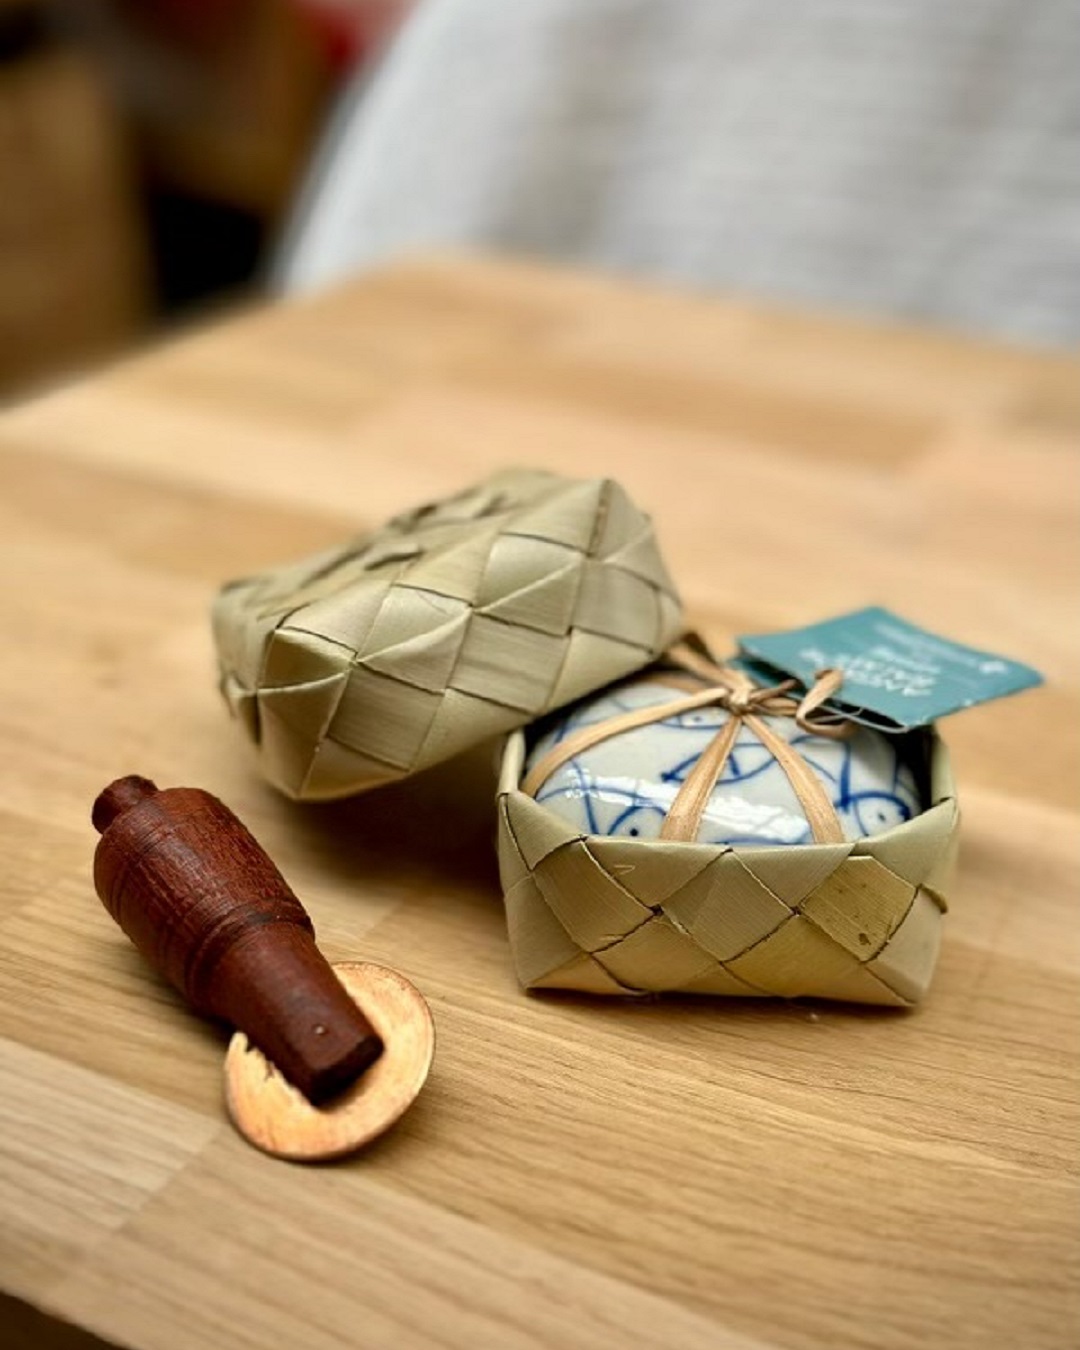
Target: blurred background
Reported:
[(149, 152), (902, 159)]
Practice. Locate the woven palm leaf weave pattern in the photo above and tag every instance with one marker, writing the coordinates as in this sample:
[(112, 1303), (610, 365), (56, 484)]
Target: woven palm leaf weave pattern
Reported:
[(858, 921), (458, 621)]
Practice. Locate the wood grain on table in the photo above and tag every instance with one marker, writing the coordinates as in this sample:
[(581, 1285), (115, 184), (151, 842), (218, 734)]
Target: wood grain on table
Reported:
[(576, 1174)]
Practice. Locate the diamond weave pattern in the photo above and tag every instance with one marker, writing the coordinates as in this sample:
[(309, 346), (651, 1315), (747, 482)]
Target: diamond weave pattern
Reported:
[(859, 922), (458, 621)]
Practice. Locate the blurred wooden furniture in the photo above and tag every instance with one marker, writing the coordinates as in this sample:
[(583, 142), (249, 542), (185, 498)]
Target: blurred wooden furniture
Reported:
[(74, 280), (225, 98), (792, 1176), (168, 127)]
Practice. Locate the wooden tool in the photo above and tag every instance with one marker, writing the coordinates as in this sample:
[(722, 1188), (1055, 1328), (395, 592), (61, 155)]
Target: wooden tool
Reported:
[(208, 909)]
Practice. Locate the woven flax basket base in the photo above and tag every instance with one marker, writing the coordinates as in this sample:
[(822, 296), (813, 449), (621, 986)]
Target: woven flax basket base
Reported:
[(458, 621), (857, 921)]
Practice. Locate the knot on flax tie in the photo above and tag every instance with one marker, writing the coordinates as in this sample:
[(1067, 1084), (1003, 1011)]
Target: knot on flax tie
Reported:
[(747, 704), (737, 692)]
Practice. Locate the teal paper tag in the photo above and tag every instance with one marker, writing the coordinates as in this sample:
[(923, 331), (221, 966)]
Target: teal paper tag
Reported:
[(896, 676)]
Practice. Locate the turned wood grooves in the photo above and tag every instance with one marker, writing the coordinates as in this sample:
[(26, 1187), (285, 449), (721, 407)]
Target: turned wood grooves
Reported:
[(208, 909)]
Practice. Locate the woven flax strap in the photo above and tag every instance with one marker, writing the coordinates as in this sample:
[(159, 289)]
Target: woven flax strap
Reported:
[(747, 705)]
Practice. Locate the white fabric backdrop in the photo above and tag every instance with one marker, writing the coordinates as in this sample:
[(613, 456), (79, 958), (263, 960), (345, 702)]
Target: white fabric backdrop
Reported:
[(909, 158)]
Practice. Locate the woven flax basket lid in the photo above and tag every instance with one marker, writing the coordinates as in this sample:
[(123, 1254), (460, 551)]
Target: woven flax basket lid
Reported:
[(857, 921), (461, 620)]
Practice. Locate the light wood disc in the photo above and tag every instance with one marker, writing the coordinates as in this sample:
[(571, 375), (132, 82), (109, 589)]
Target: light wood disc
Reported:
[(274, 1116)]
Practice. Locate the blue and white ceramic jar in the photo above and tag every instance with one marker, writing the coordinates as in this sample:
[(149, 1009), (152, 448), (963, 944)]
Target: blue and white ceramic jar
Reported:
[(626, 785)]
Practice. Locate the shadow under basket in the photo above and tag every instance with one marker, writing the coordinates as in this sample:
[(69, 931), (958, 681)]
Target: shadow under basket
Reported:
[(859, 921)]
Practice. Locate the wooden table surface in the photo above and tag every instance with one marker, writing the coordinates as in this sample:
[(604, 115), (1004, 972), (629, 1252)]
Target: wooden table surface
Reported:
[(577, 1173)]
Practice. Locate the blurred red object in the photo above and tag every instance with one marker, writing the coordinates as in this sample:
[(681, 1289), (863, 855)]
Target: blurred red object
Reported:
[(353, 30)]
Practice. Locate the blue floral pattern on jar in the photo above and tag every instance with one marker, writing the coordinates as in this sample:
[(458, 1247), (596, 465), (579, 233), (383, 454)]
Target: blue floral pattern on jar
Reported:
[(626, 785)]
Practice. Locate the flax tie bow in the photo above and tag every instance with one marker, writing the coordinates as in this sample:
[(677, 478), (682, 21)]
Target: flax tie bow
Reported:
[(747, 705)]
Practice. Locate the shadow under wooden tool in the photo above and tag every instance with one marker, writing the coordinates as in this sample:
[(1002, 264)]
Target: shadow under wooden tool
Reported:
[(435, 827)]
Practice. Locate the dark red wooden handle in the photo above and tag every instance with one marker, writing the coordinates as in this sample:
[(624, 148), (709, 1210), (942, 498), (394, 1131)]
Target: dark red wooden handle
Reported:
[(208, 909)]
